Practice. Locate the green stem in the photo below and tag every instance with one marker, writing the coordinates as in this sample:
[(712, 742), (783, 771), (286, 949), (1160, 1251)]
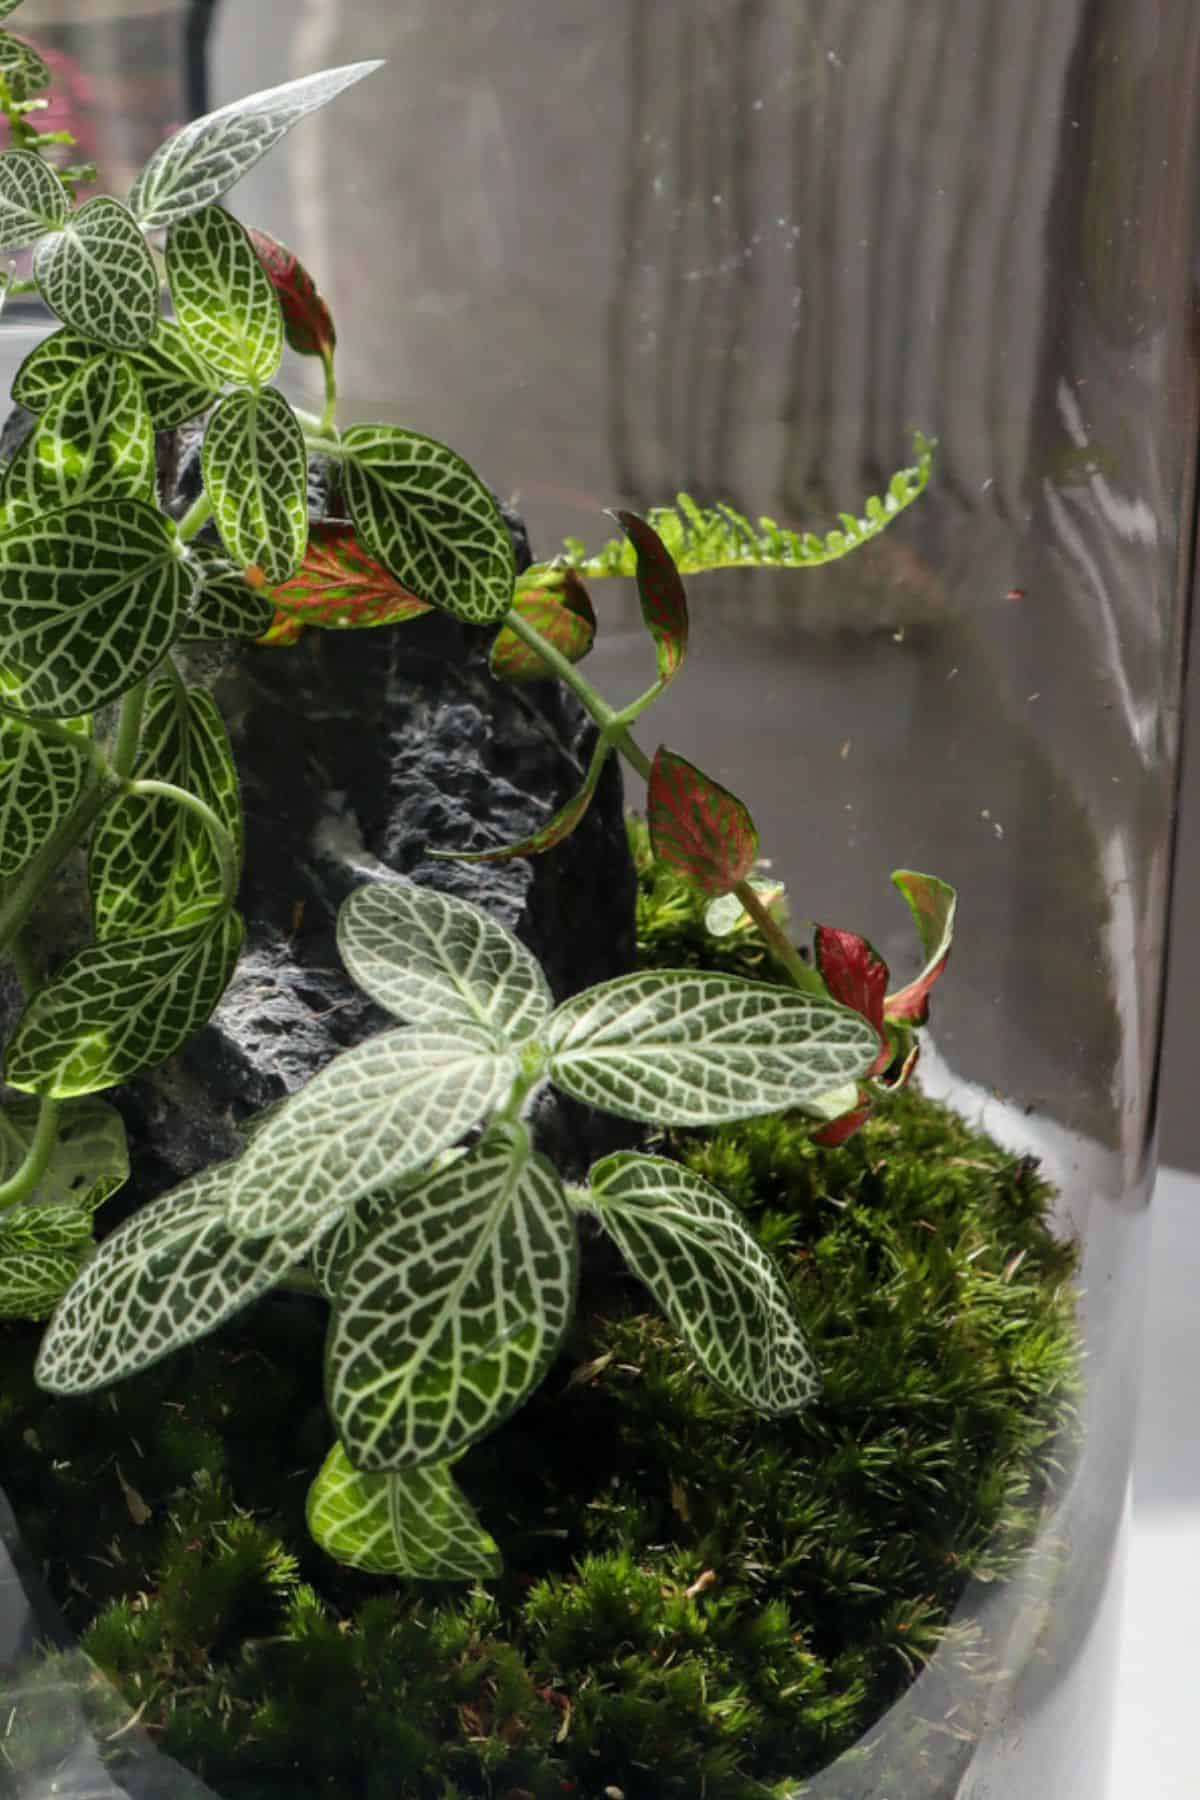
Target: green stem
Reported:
[(129, 731), (81, 742), (327, 417), (222, 840), (196, 517), (26, 891), (605, 715), (778, 942), (37, 1157)]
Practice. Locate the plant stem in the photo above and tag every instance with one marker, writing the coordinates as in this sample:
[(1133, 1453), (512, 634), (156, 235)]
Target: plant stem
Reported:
[(81, 742), (129, 731), (37, 1158), (598, 709), (327, 417), (222, 840), (24, 895), (196, 517), (28, 973), (778, 942)]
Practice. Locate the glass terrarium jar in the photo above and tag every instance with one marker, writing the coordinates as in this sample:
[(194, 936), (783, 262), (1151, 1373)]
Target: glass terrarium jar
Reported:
[(744, 249)]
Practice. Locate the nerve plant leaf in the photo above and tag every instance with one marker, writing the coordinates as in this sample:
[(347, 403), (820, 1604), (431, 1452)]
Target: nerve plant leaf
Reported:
[(255, 470), (32, 199), (437, 961), (331, 1256), (168, 1276), (933, 905), (176, 385), (117, 1008), (664, 603), (90, 1160), (425, 514), (418, 1525), (93, 442), (560, 608), (225, 605), (684, 1048), (452, 1310), (374, 1114), (40, 781), (34, 1278), (22, 70), (710, 1275), (339, 587), (204, 160), (697, 827), (224, 302), (98, 275), (89, 599), (307, 321), (558, 827), (152, 865), (857, 976)]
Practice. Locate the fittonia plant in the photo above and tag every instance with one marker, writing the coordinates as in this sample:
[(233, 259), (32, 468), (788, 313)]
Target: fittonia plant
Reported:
[(401, 1183)]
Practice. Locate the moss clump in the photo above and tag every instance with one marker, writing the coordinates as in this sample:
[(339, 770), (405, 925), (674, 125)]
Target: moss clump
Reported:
[(696, 1601)]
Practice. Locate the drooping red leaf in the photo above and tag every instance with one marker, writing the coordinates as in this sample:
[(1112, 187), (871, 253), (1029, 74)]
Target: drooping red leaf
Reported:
[(933, 905), (338, 587), (560, 826), (830, 1136), (560, 608), (857, 976), (307, 321), (697, 827), (664, 603)]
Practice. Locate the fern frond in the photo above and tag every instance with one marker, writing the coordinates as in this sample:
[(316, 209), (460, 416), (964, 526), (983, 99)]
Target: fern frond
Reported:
[(701, 538)]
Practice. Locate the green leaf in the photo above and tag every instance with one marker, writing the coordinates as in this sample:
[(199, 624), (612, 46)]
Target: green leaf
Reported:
[(256, 475), (205, 159), (686, 1048), (117, 1008), (40, 781), (89, 599), (933, 905), (418, 1525), (697, 827), (33, 1281), (90, 1160), (453, 1309), (98, 275), (701, 538), (32, 1227), (330, 1258), (23, 71), (338, 586), (168, 1276), (377, 1112), (710, 1275), (175, 383), (224, 302), (94, 442), (224, 605), (32, 199), (429, 519), (152, 865), (560, 608), (433, 960), (664, 603), (558, 827), (726, 915)]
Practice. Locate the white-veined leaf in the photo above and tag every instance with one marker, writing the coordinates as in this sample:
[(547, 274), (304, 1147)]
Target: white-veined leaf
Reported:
[(98, 275), (32, 1282), (425, 514), (40, 781), (152, 864), (23, 70), (50, 1228), (176, 385), (89, 599), (93, 442), (224, 302), (434, 960), (376, 1113), (32, 199), (224, 605), (453, 1308), (256, 475), (117, 1008), (204, 159), (165, 1278), (90, 1160), (679, 1047), (8, 6), (330, 1257), (418, 1525), (710, 1275)]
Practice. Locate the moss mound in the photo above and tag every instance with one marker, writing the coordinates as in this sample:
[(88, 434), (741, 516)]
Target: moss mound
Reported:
[(696, 1601)]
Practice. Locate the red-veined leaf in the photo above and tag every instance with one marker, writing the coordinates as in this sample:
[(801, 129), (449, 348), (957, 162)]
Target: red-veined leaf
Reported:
[(933, 905), (338, 587), (560, 608), (830, 1136), (857, 976), (307, 321), (664, 603), (552, 832), (697, 827)]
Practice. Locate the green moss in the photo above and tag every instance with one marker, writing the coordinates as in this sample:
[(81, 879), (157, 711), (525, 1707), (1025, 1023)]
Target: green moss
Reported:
[(696, 1601)]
